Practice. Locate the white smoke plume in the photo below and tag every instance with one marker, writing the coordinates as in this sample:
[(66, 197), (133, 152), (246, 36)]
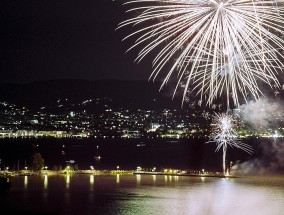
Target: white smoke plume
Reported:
[(261, 114), (269, 162), (264, 115)]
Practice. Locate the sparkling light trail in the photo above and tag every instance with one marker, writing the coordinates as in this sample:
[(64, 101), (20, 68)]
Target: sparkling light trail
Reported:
[(224, 135), (218, 47)]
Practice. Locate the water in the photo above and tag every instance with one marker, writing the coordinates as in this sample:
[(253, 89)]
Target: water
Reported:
[(144, 194), (126, 153)]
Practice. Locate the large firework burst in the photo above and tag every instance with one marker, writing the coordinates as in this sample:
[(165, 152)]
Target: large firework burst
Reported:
[(216, 46), (224, 135)]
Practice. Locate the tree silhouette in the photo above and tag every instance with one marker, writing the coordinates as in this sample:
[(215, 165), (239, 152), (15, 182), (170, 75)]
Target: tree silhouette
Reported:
[(37, 162)]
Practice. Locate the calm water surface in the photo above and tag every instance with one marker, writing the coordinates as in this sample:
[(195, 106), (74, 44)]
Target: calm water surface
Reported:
[(143, 194)]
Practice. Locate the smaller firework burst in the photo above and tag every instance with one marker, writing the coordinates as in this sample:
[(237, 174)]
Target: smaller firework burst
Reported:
[(224, 135)]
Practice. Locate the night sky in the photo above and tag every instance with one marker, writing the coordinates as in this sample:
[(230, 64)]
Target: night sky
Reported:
[(65, 39)]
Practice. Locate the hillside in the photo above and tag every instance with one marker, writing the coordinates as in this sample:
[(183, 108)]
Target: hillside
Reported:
[(123, 93)]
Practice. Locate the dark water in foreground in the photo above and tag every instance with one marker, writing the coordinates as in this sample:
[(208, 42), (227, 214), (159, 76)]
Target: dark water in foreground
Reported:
[(144, 194)]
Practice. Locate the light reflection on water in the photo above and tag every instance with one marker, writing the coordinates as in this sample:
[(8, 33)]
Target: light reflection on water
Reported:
[(67, 181), (138, 178), (45, 182), (154, 178), (145, 194), (92, 179), (26, 181)]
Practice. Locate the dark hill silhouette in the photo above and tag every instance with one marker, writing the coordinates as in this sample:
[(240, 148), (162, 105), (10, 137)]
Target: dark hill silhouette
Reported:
[(136, 94), (123, 93)]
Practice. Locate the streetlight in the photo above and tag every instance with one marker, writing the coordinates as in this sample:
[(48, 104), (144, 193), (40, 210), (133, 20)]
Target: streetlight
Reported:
[(92, 169), (45, 169), (68, 169), (117, 169)]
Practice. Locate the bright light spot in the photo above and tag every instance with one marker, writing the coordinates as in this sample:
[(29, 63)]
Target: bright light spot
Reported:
[(92, 179), (45, 182), (26, 181), (67, 181)]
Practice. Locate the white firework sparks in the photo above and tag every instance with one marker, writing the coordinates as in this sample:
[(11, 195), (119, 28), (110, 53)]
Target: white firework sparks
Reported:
[(224, 135), (216, 46), (237, 75)]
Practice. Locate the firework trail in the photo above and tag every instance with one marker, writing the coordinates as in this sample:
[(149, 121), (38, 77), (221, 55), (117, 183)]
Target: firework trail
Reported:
[(224, 135), (216, 46)]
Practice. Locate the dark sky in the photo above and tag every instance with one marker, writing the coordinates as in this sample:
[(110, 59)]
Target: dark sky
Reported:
[(65, 39)]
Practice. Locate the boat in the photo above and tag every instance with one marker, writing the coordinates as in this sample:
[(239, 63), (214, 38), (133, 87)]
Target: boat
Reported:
[(5, 184), (98, 157)]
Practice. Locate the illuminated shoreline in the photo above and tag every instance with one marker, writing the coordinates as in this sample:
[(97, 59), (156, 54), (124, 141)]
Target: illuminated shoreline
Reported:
[(113, 172)]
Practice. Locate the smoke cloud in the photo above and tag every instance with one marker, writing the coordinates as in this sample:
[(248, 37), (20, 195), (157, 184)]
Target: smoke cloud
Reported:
[(261, 114), (270, 161)]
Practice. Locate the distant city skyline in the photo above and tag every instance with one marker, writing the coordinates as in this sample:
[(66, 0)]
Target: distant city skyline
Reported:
[(46, 40)]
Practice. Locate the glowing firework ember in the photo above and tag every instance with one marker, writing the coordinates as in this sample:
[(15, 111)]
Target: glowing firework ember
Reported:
[(216, 46), (224, 135)]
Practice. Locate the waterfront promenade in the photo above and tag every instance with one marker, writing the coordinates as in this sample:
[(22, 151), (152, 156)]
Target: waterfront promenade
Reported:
[(113, 172)]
